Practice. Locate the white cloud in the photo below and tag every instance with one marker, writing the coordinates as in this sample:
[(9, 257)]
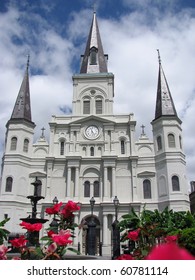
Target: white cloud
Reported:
[(131, 43)]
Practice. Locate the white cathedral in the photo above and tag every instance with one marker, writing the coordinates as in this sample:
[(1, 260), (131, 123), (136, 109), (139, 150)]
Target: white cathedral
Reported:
[(94, 153)]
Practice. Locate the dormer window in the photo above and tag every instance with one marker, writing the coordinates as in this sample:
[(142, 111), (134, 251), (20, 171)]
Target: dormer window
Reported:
[(93, 56)]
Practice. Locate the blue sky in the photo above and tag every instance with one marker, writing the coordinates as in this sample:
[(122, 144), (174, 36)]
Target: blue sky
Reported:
[(55, 32)]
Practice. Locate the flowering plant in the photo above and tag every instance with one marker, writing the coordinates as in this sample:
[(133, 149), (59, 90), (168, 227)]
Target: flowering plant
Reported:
[(59, 235), (154, 231)]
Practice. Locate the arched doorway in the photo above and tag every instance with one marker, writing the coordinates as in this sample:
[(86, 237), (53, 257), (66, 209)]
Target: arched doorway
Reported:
[(85, 233)]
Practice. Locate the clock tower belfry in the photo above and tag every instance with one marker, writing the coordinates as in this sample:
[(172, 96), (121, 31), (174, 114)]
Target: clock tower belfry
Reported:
[(93, 90)]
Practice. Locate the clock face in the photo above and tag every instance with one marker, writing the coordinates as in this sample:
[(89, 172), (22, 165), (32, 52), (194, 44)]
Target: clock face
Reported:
[(92, 132)]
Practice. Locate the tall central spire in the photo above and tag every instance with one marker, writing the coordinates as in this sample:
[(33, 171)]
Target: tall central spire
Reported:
[(94, 59), (164, 102), (22, 107)]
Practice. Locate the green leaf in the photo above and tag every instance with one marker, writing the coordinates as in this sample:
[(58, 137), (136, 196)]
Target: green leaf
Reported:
[(2, 223)]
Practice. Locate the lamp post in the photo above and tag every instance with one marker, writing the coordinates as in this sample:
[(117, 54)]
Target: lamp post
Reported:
[(91, 231), (54, 223), (115, 231)]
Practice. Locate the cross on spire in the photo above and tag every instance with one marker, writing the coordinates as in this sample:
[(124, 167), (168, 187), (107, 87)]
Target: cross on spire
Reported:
[(142, 127), (42, 134)]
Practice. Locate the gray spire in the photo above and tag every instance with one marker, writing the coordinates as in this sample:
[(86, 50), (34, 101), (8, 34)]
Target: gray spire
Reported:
[(94, 59), (22, 108), (164, 101)]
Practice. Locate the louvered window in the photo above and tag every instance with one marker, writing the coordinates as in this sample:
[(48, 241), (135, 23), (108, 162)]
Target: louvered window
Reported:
[(92, 151), (98, 105), (87, 189), (86, 107), (122, 147), (96, 189), (13, 144), (175, 183), (62, 148), (147, 189), (171, 141), (93, 56), (25, 146), (8, 186)]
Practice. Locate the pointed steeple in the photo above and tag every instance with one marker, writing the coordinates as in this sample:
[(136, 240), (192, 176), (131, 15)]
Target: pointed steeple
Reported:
[(22, 107), (94, 59), (164, 102)]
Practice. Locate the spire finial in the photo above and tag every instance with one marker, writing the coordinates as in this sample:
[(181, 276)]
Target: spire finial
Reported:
[(94, 7), (159, 59), (28, 61)]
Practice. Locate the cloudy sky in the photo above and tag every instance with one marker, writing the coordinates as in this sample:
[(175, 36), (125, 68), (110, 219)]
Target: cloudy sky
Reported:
[(54, 34)]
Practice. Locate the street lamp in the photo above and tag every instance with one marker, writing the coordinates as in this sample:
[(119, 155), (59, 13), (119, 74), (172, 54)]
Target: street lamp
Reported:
[(91, 231), (92, 203), (116, 231), (55, 200)]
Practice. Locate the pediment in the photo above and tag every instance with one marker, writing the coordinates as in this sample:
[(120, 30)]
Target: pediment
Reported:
[(146, 174), (37, 174), (92, 118)]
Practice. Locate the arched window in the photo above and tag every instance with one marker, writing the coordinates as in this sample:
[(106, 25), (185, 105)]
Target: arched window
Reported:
[(159, 143), (13, 144), (93, 56), (62, 148), (26, 145), (9, 183), (98, 106), (92, 151), (147, 189), (175, 183), (122, 147), (96, 189), (87, 189), (171, 140), (86, 106)]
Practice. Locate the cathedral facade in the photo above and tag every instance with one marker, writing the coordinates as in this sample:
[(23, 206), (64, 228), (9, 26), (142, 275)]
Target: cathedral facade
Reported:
[(94, 153)]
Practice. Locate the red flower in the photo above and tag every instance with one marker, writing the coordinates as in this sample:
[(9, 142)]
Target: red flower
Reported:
[(133, 235), (69, 208), (50, 233), (62, 238), (19, 242), (171, 238), (72, 206), (125, 257), (54, 209), (52, 248), (66, 213), (31, 227), (3, 251), (169, 251)]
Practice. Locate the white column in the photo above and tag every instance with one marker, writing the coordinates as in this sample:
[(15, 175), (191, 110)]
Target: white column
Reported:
[(114, 182), (134, 181), (68, 182), (76, 231), (105, 187), (76, 182), (105, 229)]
